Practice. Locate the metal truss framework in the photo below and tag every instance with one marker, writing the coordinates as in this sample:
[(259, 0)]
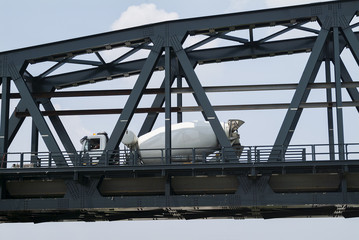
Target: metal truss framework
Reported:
[(165, 42)]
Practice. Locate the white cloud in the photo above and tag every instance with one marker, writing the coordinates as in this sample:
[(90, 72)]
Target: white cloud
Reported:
[(138, 15), (282, 3), (141, 15)]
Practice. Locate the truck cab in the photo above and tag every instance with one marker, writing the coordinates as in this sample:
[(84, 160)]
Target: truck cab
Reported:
[(92, 147)]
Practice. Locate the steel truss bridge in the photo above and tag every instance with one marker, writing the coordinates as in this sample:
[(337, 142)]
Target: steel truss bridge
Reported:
[(263, 182)]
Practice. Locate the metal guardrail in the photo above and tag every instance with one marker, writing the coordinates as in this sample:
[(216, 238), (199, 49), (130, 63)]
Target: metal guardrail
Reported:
[(243, 154)]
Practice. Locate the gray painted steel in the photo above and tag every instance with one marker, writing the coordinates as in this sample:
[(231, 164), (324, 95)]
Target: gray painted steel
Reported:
[(254, 189)]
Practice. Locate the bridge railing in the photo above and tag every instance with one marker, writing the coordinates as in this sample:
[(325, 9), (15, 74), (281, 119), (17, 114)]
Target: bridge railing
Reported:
[(313, 152), (242, 154)]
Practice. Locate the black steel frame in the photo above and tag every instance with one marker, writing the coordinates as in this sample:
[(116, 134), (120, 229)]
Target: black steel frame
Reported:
[(165, 43)]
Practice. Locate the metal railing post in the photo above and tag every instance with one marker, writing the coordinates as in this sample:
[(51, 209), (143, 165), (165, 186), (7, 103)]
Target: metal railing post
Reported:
[(282, 154), (135, 158), (193, 155), (249, 155), (38, 161), (223, 154), (107, 162), (132, 158), (50, 157), (162, 160), (313, 152), (81, 158), (77, 159), (21, 160), (304, 155)]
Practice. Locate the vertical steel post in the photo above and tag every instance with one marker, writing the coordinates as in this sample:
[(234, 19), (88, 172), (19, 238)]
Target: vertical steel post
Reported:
[(338, 91), (34, 141), (168, 140), (330, 111), (4, 129), (179, 99)]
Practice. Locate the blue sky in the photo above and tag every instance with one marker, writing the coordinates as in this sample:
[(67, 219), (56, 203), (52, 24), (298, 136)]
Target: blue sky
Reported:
[(25, 23)]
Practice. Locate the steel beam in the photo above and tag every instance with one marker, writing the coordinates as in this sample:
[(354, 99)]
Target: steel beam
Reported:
[(350, 84), (84, 45), (329, 110), (301, 94), (200, 56), (98, 55), (168, 113), (37, 117), (281, 32), (130, 53), (205, 56), (346, 78), (76, 61), (34, 141), (16, 122), (55, 67), (179, 99), (4, 129), (209, 39), (157, 103), (203, 25), (238, 168), (60, 129), (338, 93), (199, 93), (352, 41), (152, 116), (135, 97), (156, 111)]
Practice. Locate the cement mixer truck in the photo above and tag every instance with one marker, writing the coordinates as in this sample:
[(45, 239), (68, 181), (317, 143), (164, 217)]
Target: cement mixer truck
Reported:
[(188, 139)]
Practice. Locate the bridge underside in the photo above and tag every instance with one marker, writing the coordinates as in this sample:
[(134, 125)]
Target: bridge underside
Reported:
[(178, 213)]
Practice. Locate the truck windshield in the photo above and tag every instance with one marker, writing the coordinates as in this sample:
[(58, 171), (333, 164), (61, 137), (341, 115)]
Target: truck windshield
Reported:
[(92, 144)]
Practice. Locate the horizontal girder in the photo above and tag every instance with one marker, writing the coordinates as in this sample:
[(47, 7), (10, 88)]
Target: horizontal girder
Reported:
[(189, 109), (233, 88)]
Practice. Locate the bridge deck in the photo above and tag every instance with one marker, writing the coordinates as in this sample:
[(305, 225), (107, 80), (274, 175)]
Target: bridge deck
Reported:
[(304, 183)]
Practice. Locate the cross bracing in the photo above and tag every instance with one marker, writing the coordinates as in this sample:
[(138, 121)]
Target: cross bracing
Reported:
[(323, 31)]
